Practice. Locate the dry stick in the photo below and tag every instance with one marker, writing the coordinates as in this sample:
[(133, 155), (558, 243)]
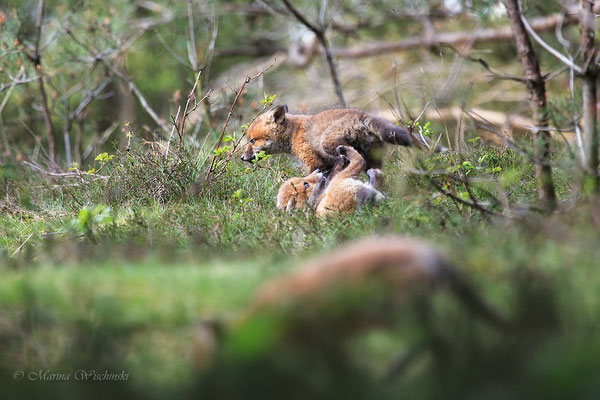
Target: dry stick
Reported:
[(574, 119), (21, 246), (11, 88), (205, 67), (193, 57), (173, 131), (537, 99), (77, 174), (89, 98), (192, 43), (477, 59), (37, 62), (248, 79), (589, 79), (320, 33), (16, 82), (455, 198), (67, 127), (187, 103), (545, 45)]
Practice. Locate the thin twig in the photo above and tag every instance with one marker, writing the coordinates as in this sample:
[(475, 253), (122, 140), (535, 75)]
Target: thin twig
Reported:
[(247, 80), (21, 246), (172, 131), (187, 103), (123, 76), (546, 46), (320, 33)]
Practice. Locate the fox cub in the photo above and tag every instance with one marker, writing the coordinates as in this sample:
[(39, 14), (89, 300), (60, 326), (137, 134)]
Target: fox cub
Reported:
[(295, 192), (315, 138), (341, 192)]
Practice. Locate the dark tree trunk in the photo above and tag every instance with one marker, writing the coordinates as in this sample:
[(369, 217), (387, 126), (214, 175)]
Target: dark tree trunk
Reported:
[(537, 100), (589, 80)]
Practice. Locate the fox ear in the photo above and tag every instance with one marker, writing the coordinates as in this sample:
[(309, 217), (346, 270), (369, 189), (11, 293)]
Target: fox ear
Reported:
[(279, 114)]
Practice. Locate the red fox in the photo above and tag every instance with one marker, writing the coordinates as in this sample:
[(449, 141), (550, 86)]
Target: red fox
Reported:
[(295, 192), (396, 261), (341, 192), (407, 267), (315, 138)]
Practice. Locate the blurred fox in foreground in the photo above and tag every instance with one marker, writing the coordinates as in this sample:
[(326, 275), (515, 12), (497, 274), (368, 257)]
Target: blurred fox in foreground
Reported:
[(293, 340), (340, 192), (315, 138)]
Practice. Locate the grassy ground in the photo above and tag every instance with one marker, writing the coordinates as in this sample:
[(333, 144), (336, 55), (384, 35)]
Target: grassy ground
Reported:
[(120, 275)]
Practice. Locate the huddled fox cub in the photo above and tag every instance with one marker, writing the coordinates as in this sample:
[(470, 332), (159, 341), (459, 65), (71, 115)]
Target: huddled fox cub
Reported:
[(341, 192), (315, 138)]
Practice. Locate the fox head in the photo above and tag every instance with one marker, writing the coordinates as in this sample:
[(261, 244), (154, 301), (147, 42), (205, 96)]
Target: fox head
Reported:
[(295, 192), (263, 133)]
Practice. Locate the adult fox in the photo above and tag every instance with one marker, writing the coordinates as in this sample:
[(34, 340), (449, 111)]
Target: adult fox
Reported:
[(315, 138)]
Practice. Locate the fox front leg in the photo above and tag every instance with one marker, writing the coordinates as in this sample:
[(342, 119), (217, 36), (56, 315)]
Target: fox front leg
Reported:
[(317, 192)]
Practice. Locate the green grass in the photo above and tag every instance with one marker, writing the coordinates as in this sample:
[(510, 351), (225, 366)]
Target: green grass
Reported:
[(127, 287), (143, 313)]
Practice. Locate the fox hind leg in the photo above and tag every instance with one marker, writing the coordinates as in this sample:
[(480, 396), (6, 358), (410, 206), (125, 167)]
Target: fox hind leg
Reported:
[(367, 195), (375, 177)]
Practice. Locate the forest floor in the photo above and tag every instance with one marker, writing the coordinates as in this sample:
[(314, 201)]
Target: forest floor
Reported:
[(125, 270)]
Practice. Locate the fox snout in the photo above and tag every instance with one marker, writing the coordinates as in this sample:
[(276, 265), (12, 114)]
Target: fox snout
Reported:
[(248, 155)]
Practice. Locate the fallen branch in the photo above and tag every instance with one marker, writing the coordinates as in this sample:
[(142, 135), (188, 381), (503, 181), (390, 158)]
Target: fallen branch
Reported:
[(513, 121), (540, 24), (77, 174)]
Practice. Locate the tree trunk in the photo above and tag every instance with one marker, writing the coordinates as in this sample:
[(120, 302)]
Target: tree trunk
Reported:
[(37, 62), (589, 80), (537, 100)]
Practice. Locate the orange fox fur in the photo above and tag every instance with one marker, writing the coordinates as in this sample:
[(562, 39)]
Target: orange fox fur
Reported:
[(399, 268), (344, 192), (396, 262), (315, 138), (404, 266), (341, 192)]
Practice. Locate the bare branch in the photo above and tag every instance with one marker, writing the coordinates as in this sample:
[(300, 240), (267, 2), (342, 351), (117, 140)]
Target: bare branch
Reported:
[(89, 98), (590, 97), (123, 76), (247, 80), (540, 24), (172, 131), (187, 103), (320, 33), (192, 56), (36, 59), (546, 46)]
